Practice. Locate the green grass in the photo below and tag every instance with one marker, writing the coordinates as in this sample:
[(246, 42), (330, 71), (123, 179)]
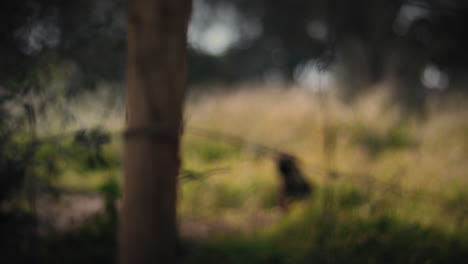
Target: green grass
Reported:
[(397, 195), (337, 234)]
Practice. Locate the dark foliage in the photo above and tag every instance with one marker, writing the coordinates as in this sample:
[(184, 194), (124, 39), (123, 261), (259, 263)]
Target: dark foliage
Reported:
[(38, 35), (92, 141)]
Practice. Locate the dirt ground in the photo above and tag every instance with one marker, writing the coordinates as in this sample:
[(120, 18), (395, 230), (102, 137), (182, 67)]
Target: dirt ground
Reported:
[(69, 211)]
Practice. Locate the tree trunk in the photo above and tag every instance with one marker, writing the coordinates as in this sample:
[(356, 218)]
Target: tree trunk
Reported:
[(156, 72)]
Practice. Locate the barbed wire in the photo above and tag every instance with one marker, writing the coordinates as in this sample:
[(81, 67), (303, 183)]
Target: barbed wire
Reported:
[(364, 181)]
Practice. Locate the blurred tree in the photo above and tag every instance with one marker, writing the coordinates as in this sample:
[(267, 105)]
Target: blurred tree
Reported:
[(369, 41), (276, 37), (372, 41), (156, 71), (40, 36)]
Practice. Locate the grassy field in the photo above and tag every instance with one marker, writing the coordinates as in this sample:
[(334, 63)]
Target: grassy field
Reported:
[(389, 186)]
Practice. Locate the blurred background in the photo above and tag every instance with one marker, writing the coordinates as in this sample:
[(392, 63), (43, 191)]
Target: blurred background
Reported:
[(315, 131)]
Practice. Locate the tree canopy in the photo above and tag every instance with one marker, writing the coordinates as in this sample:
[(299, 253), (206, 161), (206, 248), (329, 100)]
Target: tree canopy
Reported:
[(367, 41)]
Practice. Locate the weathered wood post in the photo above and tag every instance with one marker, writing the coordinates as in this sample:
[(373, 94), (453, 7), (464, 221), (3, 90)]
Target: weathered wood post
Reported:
[(156, 75)]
